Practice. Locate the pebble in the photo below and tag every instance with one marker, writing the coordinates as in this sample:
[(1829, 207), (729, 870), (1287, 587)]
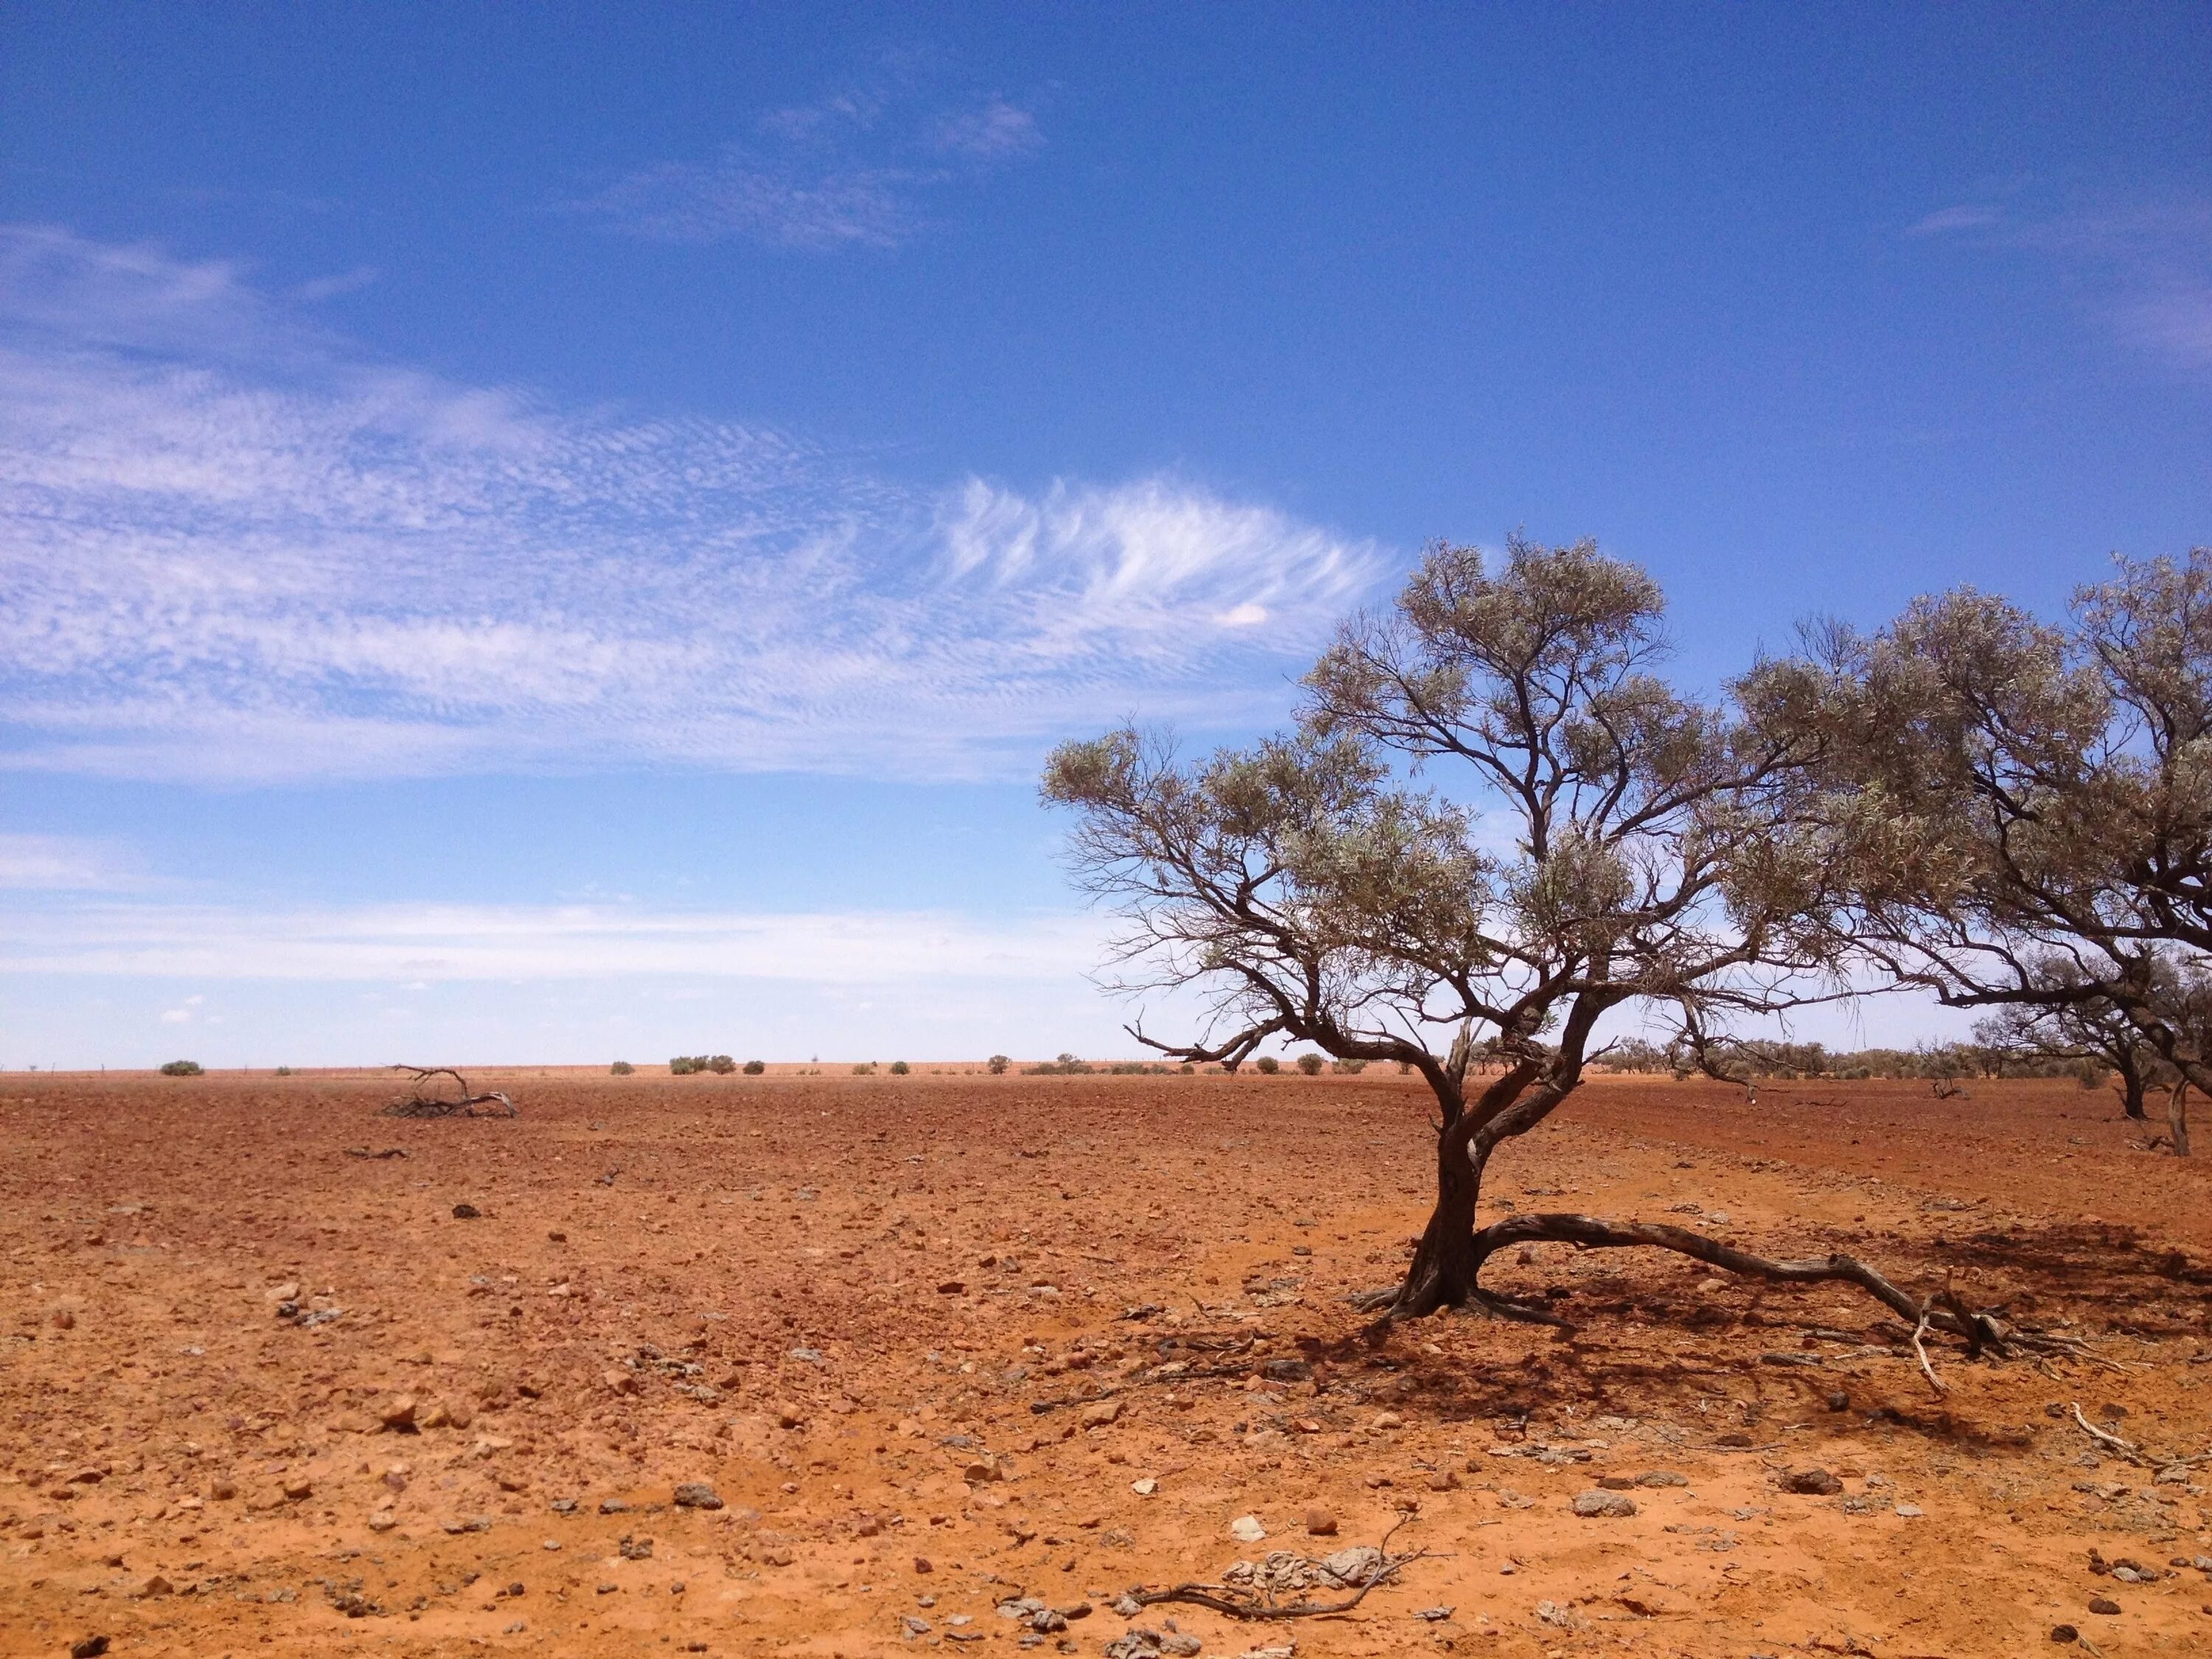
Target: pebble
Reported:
[(2064, 1633), (696, 1495), (1246, 1529), (2103, 1604)]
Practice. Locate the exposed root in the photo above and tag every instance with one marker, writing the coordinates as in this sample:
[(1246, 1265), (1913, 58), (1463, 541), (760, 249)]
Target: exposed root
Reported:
[(1920, 1350), (420, 1105), (1943, 1311), (1236, 1603)]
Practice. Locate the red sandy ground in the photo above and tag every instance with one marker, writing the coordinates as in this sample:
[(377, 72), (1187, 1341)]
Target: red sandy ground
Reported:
[(743, 1281)]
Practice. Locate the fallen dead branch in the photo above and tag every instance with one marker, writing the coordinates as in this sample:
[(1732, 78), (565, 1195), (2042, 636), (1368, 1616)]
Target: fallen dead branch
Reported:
[(2110, 1441), (1236, 1601), (421, 1105)]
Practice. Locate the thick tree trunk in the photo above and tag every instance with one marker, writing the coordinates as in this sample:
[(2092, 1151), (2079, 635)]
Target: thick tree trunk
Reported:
[(1445, 1262)]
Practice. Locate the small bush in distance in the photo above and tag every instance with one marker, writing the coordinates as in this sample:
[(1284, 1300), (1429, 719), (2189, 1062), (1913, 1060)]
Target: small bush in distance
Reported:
[(181, 1068), (865, 1068), (1347, 1068), (621, 1069), (996, 1065), (685, 1065), (1310, 1064), (721, 1066), (900, 1068), (1267, 1065), (283, 1070), (755, 1067)]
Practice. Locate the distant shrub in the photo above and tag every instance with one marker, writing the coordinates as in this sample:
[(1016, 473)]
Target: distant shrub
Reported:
[(1267, 1065), (181, 1068), (721, 1066), (996, 1065), (755, 1067), (1188, 1070), (865, 1068), (283, 1070), (1311, 1064), (685, 1065), (1066, 1066), (1347, 1068), (621, 1069), (900, 1068)]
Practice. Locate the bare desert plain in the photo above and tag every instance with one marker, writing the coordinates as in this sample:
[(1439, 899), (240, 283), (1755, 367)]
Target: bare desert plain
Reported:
[(822, 1365)]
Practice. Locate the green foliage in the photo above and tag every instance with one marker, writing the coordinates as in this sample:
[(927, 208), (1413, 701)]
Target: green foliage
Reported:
[(621, 1069), (755, 1067), (1267, 1065), (900, 1068), (721, 1065), (1066, 1066), (283, 1070), (865, 1068), (1345, 1067), (181, 1068), (687, 1064), (1310, 1064), (996, 1065)]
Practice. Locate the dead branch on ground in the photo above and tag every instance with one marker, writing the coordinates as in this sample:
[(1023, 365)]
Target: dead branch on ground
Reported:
[(1236, 1602), (421, 1105)]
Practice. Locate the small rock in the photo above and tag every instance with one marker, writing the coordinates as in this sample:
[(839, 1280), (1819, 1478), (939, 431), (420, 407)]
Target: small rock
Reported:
[(398, 1414), (1661, 1478), (1838, 1400), (1287, 1370), (696, 1495), (299, 1488), (1246, 1529), (466, 1212), (1616, 1482), (1099, 1415), (2103, 1604), (922, 1564), (787, 1416), (1145, 1487), (1910, 1511), (2064, 1633), (613, 1506), (1433, 1616), (223, 1490), (1608, 1505), (1444, 1480), (1811, 1483), (158, 1585), (1320, 1523), (90, 1647)]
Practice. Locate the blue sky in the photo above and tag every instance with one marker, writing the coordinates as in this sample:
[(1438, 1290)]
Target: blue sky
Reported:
[(550, 533)]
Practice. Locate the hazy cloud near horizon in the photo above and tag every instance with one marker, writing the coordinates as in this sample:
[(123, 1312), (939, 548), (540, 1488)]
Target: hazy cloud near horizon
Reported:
[(235, 547)]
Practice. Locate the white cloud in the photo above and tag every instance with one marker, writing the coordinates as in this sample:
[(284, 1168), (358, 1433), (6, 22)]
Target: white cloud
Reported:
[(65, 863), (411, 945), (231, 547), (994, 130), (853, 169), (2143, 268)]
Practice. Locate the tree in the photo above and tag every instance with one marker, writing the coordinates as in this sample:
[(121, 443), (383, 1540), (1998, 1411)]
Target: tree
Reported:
[(1315, 893), (2020, 812), (2094, 1031)]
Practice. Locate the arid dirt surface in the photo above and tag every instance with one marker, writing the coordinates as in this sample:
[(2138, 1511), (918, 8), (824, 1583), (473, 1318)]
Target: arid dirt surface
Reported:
[(280, 1375)]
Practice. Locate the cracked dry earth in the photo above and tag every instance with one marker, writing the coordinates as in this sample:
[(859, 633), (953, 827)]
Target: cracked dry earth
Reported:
[(858, 1366)]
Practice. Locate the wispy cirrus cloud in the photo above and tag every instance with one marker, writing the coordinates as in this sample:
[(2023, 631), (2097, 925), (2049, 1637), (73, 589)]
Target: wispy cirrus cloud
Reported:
[(233, 546), (856, 168), (460, 942), (2143, 268), (35, 863)]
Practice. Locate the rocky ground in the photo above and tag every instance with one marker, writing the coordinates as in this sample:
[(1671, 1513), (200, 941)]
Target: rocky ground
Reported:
[(842, 1366)]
